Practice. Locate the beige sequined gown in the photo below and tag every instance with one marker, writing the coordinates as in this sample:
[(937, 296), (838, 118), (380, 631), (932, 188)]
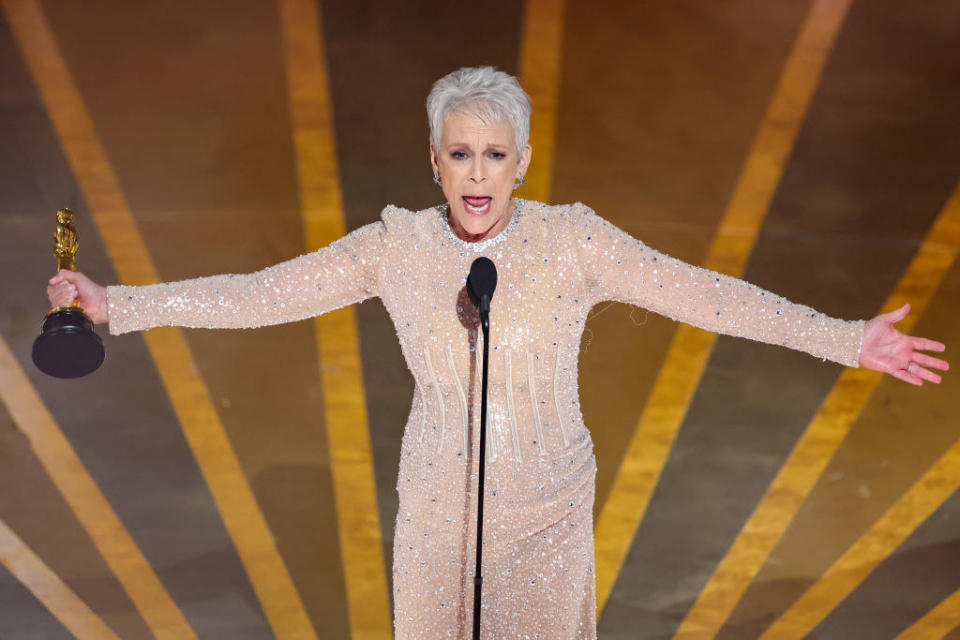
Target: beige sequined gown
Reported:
[(554, 263)]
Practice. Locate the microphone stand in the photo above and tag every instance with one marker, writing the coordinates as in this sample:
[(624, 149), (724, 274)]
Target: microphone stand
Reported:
[(478, 578)]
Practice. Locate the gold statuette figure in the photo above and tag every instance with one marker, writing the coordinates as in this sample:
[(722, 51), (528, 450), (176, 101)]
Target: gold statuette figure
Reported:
[(66, 241), (67, 346)]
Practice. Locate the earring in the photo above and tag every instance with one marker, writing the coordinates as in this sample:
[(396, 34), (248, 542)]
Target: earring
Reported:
[(436, 178), (523, 181)]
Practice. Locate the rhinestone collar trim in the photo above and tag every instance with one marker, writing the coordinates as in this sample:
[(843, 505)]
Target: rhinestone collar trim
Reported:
[(443, 214)]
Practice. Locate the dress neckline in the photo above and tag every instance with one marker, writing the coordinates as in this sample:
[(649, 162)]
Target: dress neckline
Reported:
[(443, 211)]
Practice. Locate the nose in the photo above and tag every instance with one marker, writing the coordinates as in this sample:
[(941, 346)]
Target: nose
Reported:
[(477, 173)]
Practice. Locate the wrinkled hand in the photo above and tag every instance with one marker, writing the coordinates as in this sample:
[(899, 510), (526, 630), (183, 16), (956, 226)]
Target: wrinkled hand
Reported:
[(886, 349), (67, 286)]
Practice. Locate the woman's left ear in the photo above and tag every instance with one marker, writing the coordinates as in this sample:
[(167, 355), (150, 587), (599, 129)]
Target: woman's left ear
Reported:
[(525, 160)]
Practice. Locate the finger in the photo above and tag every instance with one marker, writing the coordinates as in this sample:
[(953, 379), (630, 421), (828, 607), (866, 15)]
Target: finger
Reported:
[(65, 292), (930, 361), (64, 275), (898, 314), (907, 377), (925, 344), (929, 376), (915, 369)]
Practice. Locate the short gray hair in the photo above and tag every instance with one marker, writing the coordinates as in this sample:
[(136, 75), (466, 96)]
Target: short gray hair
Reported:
[(484, 92)]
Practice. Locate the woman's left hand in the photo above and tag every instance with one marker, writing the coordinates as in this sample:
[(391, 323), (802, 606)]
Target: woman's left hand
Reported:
[(886, 349)]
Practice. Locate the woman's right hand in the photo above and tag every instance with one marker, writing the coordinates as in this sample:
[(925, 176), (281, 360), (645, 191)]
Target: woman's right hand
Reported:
[(67, 286)]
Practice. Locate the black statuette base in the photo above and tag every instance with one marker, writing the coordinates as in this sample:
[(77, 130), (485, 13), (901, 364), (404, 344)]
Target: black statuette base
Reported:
[(67, 346)]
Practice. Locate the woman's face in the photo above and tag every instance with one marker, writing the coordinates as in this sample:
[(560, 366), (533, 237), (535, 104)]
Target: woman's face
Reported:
[(478, 163)]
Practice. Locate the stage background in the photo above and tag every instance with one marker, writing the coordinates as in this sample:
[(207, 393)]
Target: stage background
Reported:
[(241, 484)]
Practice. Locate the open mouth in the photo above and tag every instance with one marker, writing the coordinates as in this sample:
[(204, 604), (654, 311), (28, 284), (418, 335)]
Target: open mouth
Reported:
[(477, 205)]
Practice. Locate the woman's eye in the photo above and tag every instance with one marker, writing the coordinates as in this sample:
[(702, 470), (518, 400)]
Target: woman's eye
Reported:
[(497, 155), (458, 155)]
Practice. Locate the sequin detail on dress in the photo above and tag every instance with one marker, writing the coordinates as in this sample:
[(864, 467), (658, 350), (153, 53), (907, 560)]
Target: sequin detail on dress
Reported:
[(554, 264), (461, 395), (511, 405), (556, 399), (532, 380), (418, 402), (435, 383)]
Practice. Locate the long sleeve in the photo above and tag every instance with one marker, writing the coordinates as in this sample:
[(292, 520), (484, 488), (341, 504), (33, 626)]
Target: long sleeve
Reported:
[(337, 275), (618, 267)]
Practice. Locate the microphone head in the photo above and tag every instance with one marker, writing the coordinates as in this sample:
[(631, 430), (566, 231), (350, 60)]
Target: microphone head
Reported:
[(482, 280)]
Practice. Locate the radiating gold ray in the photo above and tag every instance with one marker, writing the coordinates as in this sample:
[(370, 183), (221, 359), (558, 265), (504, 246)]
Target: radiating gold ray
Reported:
[(345, 403), (89, 505), (824, 434), (168, 348), (731, 246), (917, 286), (870, 550), (938, 622), (540, 52), (49, 589)]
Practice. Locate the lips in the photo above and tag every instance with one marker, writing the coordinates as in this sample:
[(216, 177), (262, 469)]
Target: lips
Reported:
[(477, 204)]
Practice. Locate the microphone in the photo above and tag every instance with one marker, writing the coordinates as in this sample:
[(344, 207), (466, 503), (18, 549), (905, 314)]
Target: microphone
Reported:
[(481, 283)]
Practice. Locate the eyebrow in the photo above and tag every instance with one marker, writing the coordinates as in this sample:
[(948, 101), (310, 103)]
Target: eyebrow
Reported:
[(498, 147)]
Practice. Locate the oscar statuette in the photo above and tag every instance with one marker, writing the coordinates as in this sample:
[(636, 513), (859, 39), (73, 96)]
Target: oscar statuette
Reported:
[(67, 346)]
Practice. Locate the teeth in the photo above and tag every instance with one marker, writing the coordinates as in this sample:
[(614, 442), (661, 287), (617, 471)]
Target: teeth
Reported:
[(479, 209)]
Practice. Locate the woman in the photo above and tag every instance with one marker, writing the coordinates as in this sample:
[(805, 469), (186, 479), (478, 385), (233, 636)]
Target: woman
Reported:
[(555, 263)]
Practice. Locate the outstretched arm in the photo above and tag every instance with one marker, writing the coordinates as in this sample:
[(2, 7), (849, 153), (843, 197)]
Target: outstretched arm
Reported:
[(617, 266), (337, 275), (886, 349)]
